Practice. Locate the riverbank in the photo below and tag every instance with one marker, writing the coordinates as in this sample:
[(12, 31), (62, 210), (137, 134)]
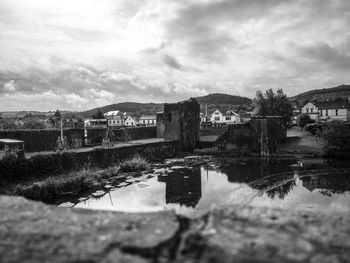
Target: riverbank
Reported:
[(34, 232)]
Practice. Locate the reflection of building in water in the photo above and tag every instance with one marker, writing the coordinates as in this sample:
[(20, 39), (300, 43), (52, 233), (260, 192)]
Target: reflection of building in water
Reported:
[(327, 184), (183, 188)]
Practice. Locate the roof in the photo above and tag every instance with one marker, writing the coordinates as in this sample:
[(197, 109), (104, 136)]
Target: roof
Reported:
[(111, 113), (146, 117), (230, 113), (337, 104), (10, 141)]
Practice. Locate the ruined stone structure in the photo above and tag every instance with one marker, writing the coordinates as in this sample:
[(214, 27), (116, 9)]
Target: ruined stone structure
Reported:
[(261, 134), (182, 123), (160, 124)]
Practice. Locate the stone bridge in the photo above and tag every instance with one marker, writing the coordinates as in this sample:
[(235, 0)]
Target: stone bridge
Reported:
[(34, 232)]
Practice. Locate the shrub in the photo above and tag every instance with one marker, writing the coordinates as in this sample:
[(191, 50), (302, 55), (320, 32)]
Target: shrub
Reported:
[(134, 164), (52, 187), (335, 138), (304, 119)]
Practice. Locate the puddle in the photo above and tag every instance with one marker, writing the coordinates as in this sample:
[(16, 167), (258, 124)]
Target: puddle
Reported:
[(192, 191)]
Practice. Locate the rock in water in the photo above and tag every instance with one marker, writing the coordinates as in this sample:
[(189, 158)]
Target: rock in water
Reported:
[(66, 204), (98, 193)]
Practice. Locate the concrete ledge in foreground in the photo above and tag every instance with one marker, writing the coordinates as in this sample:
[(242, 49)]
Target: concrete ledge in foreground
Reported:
[(34, 232)]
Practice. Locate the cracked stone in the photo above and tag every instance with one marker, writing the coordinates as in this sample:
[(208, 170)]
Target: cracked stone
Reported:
[(36, 232)]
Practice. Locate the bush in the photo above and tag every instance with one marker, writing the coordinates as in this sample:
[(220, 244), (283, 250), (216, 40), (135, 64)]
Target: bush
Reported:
[(135, 164), (304, 119), (335, 138), (52, 187)]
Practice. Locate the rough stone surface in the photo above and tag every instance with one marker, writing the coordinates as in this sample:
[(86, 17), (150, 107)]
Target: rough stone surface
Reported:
[(34, 232)]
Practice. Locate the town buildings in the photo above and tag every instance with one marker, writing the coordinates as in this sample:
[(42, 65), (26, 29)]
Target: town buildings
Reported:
[(338, 109), (148, 120), (218, 118)]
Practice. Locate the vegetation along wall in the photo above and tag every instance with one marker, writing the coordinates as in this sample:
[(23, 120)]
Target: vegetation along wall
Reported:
[(44, 140)]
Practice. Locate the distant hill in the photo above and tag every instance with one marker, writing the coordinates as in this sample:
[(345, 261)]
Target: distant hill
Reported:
[(342, 91), (134, 108), (219, 98)]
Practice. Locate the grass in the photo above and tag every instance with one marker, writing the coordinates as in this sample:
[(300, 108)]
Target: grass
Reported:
[(52, 187), (134, 164)]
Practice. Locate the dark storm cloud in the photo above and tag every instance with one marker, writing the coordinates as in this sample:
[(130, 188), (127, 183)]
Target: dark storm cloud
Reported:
[(199, 24), (325, 55), (172, 62)]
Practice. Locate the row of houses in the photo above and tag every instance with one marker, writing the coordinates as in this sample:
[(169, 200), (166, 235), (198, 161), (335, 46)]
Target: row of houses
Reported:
[(328, 110), (218, 118), (121, 119)]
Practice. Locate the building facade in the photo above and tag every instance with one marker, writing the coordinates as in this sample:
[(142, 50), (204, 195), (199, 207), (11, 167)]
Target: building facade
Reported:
[(311, 109), (228, 117), (115, 118), (334, 110), (328, 110), (148, 120)]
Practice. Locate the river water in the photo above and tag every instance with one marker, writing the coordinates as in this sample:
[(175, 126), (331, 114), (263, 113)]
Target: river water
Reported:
[(193, 190)]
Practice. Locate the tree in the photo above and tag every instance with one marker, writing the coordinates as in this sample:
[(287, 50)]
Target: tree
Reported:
[(34, 124), (274, 104), (304, 119), (98, 114), (58, 114)]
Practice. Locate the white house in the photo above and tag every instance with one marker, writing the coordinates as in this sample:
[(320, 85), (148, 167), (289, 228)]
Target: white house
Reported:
[(311, 109), (129, 121), (334, 110), (148, 120), (115, 118), (95, 123), (229, 117), (232, 117), (217, 117)]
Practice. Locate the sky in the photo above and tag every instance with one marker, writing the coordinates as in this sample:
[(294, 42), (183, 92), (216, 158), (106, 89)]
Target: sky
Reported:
[(82, 54)]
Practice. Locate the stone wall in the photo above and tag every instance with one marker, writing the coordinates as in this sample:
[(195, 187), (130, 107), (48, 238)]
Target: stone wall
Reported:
[(210, 131), (71, 161), (43, 140), (34, 232), (254, 135), (94, 136), (182, 123), (160, 125)]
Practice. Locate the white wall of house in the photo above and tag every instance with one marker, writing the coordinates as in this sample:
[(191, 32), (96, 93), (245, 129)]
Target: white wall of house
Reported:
[(334, 114), (148, 121), (229, 118), (129, 121), (217, 117), (311, 109), (115, 122)]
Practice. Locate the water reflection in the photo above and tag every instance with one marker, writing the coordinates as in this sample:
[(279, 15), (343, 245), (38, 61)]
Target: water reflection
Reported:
[(183, 188), (327, 185), (276, 183)]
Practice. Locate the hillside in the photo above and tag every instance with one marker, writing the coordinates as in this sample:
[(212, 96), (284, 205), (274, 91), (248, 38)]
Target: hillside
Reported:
[(219, 98), (134, 108), (342, 91)]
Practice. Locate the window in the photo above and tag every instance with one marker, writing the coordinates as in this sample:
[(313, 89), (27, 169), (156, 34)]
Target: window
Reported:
[(321, 113), (228, 118), (326, 112), (336, 112), (312, 110), (217, 118), (307, 110), (216, 112)]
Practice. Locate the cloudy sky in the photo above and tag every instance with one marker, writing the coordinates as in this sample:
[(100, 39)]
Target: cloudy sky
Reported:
[(79, 54)]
